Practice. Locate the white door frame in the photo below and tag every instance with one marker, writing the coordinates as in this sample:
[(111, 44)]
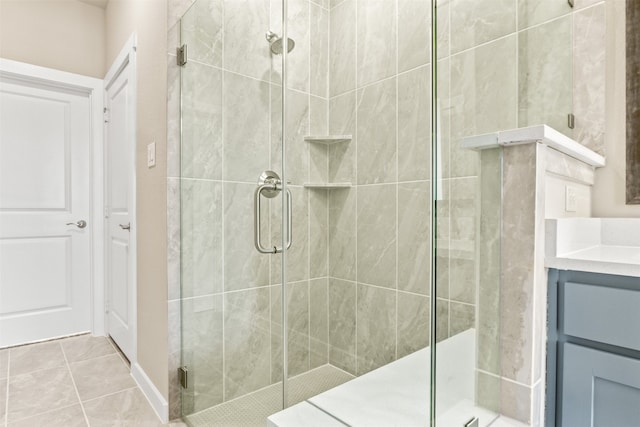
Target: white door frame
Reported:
[(94, 89), (126, 57)]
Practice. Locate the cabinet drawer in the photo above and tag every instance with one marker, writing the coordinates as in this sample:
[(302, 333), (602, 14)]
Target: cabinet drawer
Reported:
[(603, 314)]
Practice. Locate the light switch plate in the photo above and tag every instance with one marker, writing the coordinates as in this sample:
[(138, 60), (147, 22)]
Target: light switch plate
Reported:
[(571, 199), (151, 155)]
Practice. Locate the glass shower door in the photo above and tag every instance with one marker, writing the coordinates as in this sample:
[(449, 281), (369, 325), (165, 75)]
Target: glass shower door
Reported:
[(230, 293)]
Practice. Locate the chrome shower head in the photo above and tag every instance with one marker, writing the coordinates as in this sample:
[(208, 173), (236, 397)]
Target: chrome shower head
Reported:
[(275, 43)]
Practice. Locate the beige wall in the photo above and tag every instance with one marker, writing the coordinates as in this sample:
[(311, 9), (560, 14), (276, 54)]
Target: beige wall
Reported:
[(148, 19), (63, 34), (609, 188)]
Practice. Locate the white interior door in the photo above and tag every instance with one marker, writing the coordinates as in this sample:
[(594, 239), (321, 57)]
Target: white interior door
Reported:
[(45, 251), (120, 192)]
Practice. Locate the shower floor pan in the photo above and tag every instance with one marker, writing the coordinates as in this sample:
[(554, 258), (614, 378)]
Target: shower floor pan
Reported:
[(397, 394)]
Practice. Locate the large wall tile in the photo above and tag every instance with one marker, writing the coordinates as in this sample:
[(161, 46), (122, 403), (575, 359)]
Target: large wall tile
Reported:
[(202, 111), (298, 59), (545, 78), (377, 35), (376, 334), (173, 239), (589, 77), (342, 121), (488, 391), (532, 12), (244, 267), (515, 402), (298, 327), (298, 254), (443, 36), (442, 319), (488, 305), (377, 149), (414, 125), (413, 323), (342, 324), (484, 91), (462, 317), (445, 106), (246, 128), (297, 127), (414, 245), (474, 22), (464, 210), (202, 30), (518, 243), (318, 322), (414, 35), (202, 350), (318, 233), (201, 237), (342, 48), (246, 50), (342, 233), (377, 235), (247, 341), (319, 55), (173, 116)]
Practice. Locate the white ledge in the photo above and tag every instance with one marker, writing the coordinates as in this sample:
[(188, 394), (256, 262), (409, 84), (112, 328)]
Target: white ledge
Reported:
[(534, 134)]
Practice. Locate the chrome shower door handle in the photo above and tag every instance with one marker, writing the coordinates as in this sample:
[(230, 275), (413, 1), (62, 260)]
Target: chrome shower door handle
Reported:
[(257, 215)]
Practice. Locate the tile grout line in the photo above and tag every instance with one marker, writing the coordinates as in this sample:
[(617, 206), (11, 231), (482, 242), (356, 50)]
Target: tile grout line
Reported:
[(75, 387), (135, 387)]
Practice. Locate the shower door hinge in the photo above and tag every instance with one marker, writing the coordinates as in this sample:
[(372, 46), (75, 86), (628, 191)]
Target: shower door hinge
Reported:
[(105, 114), (571, 121), (181, 54), (183, 375)]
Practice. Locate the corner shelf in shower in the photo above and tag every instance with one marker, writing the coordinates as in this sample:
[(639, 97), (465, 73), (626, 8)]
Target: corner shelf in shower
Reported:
[(328, 185), (327, 139)]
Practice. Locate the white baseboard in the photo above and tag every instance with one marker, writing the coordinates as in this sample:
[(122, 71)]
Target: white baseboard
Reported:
[(153, 395)]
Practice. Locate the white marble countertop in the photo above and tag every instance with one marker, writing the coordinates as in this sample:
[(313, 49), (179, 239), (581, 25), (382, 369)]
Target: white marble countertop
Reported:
[(596, 245)]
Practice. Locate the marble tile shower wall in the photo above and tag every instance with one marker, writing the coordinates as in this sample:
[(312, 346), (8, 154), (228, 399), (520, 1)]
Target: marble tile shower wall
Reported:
[(379, 233)]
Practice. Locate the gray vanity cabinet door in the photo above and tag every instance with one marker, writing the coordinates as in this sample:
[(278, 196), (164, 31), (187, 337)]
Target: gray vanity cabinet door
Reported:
[(599, 389)]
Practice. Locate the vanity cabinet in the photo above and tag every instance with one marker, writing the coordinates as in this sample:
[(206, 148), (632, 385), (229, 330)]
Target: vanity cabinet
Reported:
[(593, 352)]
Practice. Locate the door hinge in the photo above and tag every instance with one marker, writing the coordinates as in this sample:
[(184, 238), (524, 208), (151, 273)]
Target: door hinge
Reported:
[(183, 375), (571, 121), (181, 54), (105, 113)]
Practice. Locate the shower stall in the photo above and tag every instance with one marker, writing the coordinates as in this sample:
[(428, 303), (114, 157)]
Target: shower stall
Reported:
[(332, 225)]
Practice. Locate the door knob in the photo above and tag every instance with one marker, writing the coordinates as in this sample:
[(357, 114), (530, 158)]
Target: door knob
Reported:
[(125, 226), (80, 224)]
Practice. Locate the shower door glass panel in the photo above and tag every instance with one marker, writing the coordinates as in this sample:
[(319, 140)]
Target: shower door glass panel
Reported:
[(501, 65), (230, 293)]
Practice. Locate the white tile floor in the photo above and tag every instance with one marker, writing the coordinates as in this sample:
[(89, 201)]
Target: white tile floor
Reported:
[(76, 381)]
